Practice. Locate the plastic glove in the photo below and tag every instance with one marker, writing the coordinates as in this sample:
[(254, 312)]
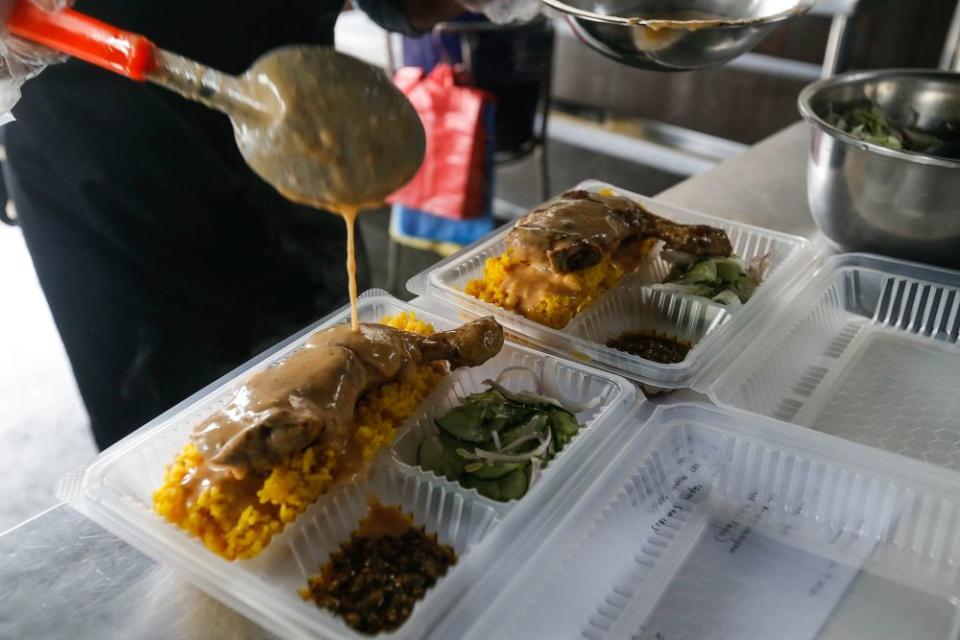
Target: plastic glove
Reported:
[(21, 60), (503, 11)]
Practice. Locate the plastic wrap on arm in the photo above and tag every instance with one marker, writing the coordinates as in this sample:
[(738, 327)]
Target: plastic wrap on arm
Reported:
[(504, 11), (21, 60)]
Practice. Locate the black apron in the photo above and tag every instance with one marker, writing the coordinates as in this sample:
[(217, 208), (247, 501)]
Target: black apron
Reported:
[(165, 261)]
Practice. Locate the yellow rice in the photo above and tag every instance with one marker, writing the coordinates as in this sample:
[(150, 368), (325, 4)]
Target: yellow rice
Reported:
[(567, 296), (237, 519)]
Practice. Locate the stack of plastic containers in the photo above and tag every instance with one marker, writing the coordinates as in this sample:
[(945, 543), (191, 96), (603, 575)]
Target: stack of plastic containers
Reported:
[(819, 497)]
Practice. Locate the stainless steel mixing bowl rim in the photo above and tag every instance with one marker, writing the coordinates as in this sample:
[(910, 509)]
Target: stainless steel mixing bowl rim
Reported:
[(802, 7), (805, 104)]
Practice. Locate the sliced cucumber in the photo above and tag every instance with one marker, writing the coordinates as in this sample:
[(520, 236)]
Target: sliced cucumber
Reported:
[(465, 423), (510, 487), (497, 470), (730, 270), (701, 272), (563, 422), (513, 486), (440, 457), (486, 488)]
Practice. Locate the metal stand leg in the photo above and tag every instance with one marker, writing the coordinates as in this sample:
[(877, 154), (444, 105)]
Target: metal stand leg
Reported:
[(393, 266), (544, 161), (950, 60)]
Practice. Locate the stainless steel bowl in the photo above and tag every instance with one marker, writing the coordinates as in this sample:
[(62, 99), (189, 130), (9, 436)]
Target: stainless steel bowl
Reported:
[(675, 35), (865, 197)]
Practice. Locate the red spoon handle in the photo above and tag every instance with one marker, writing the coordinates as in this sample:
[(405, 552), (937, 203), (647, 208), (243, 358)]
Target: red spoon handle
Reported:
[(81, 36)]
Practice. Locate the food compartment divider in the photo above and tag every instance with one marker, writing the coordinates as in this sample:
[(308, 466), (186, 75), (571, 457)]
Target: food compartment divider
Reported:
[(868, 351), (308, 543), (117, 493), (636, 306), (626, 557), (789, 256), (613, 397)]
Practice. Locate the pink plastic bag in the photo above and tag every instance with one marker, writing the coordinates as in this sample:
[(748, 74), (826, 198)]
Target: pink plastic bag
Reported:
[(452, 180)]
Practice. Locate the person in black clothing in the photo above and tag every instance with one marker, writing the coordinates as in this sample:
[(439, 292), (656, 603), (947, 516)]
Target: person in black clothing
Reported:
[(165, 260)]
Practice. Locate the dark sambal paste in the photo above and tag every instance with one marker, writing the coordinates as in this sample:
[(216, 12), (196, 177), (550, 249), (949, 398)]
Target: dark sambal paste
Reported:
[(650, 346), (386, 567)]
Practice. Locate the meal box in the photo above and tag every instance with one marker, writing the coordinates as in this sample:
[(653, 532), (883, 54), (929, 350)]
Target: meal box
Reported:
[(116, 490), (841, 357), (697, 320), (617, 539)]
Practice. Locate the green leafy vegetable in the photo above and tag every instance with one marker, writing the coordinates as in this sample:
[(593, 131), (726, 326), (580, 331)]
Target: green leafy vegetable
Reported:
[(497, 441), (727, 281), (867, 121)]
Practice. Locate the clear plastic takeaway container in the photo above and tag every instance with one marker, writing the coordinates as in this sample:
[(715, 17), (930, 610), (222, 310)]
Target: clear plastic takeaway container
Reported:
[(704, 324), (710, 522), (858, 346), (698, 522), (867, 350), (116, 490)]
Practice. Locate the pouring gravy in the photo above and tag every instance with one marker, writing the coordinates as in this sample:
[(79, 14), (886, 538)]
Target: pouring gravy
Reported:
[(325, 129)]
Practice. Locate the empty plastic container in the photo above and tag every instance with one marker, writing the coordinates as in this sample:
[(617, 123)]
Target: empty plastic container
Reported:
[(715, 523)]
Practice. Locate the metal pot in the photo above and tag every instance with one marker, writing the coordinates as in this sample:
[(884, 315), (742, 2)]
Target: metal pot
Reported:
[(866, 197), (675, 35)]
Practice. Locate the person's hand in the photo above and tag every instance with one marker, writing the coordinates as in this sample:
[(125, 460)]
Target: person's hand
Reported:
[(21, 60)]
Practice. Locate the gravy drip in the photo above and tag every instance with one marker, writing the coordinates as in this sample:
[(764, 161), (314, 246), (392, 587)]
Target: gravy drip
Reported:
[(325, 129), (350, 218)]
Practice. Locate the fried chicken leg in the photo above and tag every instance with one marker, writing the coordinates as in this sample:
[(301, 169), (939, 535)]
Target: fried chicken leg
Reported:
[(310, 397), (577, 229)]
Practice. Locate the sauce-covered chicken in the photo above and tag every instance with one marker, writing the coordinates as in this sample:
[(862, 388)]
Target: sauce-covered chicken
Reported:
[(565, 253), (310, 397), (578, 229)]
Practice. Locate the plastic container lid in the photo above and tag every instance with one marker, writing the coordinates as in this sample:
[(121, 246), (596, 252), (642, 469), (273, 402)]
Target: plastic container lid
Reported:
[(714, 523), (867, 350)]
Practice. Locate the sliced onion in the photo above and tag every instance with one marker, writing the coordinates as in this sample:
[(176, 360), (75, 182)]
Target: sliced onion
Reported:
[(496, 440), (516, 443), (494, 456), (510, 371), (534, 472), (758, 267), (523, 397)]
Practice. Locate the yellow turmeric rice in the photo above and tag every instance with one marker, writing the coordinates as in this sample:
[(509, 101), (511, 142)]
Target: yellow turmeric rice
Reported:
[(237, 519), (559, 300), (554, 299)]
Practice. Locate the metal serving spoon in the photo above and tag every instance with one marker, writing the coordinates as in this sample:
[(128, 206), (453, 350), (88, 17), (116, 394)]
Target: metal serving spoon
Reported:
[(324, 128)]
